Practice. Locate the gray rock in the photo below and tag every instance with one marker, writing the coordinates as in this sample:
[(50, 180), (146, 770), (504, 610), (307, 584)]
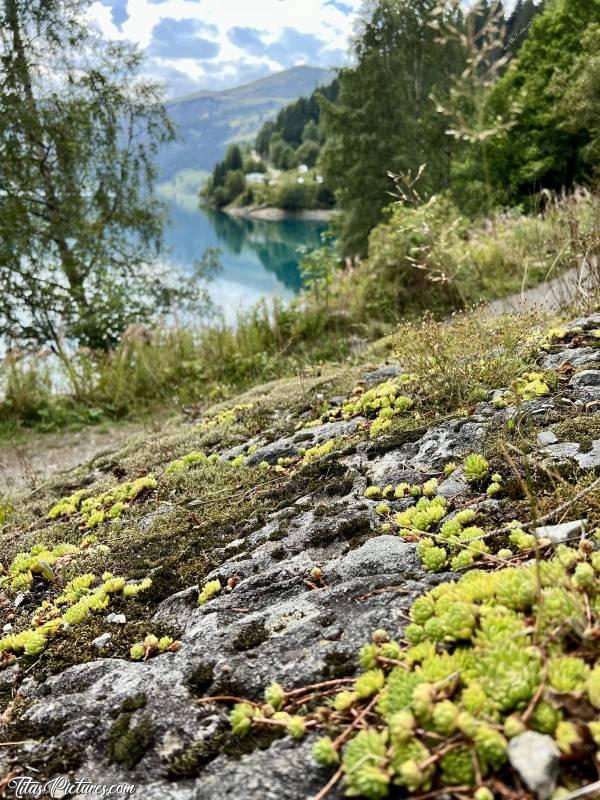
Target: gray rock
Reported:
[(306, 437), (571, 451), (286, 770), (242, 449), (579, 357), (391, 468), (381, 552), (587, 378), (455, 486), (383, 374), (558, 534), (544, 438), (102, 640), (536, 758), (586, 386), (585, 323), (416, 461)]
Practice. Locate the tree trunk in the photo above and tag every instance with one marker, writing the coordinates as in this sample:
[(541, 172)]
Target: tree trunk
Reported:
[(33, 130)]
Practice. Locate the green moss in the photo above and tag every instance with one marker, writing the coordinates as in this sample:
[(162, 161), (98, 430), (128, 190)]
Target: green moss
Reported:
[(278, 553), (583, 429), (128, 741), (200, 679), (189, 762), (134, 703)]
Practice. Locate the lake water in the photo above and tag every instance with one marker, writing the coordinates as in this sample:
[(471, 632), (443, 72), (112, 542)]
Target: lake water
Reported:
[(259, 259)]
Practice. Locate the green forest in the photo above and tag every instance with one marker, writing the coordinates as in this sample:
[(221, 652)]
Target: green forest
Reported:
[(295, 137)]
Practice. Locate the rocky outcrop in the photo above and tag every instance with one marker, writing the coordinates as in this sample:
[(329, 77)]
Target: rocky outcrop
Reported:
[(148, 723)]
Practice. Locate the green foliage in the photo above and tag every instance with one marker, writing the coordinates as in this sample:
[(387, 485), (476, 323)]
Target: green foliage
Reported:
[(426, 257), (294, 196), (447, 705), (154, 370), (455, 365), (547, 81), (384, 118), (578, 91), (76, 167), (308, 153), (297, 122)]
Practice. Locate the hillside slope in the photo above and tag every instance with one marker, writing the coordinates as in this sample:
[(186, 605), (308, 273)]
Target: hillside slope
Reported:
[(207, 122), (286, 509)]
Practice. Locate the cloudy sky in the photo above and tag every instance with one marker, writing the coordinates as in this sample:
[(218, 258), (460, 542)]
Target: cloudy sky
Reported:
[(216, 44)]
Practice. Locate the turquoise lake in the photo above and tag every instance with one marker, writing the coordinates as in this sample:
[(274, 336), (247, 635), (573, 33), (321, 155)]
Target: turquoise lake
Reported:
[(259, 259)]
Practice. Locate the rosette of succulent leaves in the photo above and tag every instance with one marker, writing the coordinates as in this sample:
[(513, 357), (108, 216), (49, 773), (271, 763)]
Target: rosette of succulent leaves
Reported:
[(380, 405), (483, 659)]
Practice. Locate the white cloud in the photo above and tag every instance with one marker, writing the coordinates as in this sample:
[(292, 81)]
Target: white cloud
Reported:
[(239, 37)]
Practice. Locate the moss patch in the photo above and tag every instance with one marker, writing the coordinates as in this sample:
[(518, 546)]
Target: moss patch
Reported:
[(128, 741)]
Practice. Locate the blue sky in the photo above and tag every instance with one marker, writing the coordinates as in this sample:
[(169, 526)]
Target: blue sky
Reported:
[(216, 44)]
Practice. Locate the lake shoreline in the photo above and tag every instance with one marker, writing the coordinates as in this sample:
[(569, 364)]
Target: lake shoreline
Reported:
[(271, 214)]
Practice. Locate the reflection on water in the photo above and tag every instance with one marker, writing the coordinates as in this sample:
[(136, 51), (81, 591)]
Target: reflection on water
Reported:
[(259, 259)]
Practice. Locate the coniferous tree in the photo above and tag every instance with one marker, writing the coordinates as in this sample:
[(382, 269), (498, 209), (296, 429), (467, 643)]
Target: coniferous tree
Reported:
[(233, 159), (384, 119)]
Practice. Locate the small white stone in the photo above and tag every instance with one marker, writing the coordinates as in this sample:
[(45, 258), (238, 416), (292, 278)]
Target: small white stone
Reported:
[(558, 534), (117, 619), (544, 438), (102, 641), (536, 758)]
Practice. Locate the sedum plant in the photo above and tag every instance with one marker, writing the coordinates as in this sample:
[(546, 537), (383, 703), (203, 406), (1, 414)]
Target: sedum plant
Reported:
[(83, 595), (527, 387), (186, 462), (227, 417), (110, 504), (484, 659), (153, 646), (209, 590), (380, 404), (476, 468)]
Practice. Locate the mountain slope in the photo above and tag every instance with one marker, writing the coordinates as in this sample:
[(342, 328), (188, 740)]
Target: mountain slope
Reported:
[(207, 121)]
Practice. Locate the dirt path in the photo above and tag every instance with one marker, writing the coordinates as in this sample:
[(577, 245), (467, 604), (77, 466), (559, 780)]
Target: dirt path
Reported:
[(32, 459), (577, 284)]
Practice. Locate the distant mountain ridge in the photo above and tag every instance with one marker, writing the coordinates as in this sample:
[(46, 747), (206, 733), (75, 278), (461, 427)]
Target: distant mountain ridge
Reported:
[(207, 122)]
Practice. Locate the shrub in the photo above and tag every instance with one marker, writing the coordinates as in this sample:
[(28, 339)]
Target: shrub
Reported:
[(295, 196)]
